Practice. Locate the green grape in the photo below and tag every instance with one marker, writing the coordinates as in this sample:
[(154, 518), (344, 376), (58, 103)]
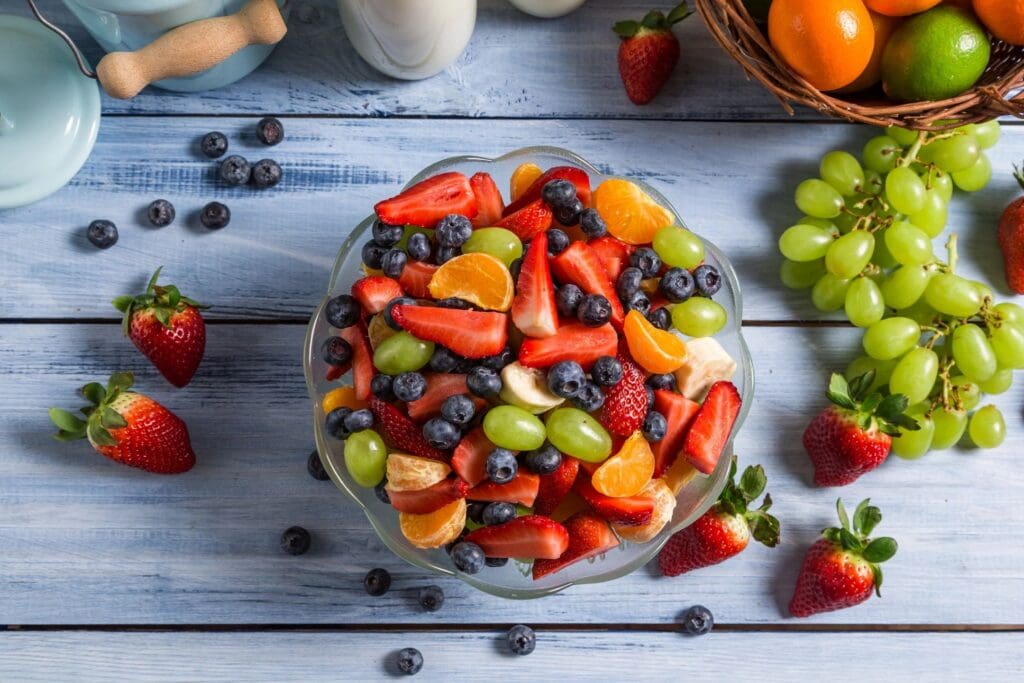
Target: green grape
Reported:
[(1007, 341), (365, 457), (911, 445), (804, 242), (862, 364), (904, 190), (817, 198), (902, 135), (829, 293), (850, 254), (950, 425), (678, 247), (801, 275), (1011, 313), (500, 243), (576, 433), (881, 154), (939, 181), (842, 171), (973, 354), (984, 291), (931, 220), (905, 286), (999, 383), (921, 313), (864, 303), (845, 221), (987, 428), (953, 295), (976, 177), (882, 257), (873, 182), (402, 352), (513, 428), (967, 391), (957, 153), (987, 134), (699, 317), (915, 374), (820, 223), (908, 244), (891, 338)]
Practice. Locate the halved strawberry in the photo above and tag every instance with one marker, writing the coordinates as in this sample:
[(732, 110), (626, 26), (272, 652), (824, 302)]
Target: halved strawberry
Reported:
[(430, 499), (712, 426), (614, 254), (336, 371), (473, 334), (430, 200), (589, 536), (374, 292), (574, 341), (577, 176), (488, 200), (362, 359), (625, 404), (533, 309), (526, 537), (678, 411), (439, 387), (630, 511), (529, 221), (401, 433), (523, 489), (415, 279), (470, 457), (555, 486), (580, 265)]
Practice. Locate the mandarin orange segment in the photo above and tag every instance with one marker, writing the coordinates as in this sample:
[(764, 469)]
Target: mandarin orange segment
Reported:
[(342, 397), (434, 529), (657, 351), (627, 472), (522, 178), (414, 473), (679, 475), (664, 505), (478, 278), (631, 214)]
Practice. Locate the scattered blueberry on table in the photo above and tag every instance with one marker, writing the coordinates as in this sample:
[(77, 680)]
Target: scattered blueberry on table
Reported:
[(214, 145), (269, 131), (316, 468), (102, 233), (266, 173), (521, 639), (698, 620), (431, 598), (215, 216), (235, 170), (160, 213), (377, 582), (295, 540), (409, 661)]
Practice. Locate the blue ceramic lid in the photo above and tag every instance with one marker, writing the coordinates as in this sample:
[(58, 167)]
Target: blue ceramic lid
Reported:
[(49, 112)]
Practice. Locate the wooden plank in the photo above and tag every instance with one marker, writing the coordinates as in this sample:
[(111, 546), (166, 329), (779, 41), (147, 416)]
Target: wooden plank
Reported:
[(91, 542), (274, 260)]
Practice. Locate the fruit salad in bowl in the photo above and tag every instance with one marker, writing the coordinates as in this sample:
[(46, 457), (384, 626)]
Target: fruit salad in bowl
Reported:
[(528, 388)]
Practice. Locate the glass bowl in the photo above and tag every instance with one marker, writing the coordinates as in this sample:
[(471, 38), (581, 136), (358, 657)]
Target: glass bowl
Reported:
[(513, 580)]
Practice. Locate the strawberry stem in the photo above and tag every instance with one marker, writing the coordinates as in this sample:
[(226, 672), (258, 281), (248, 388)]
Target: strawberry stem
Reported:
[(1018, 174)]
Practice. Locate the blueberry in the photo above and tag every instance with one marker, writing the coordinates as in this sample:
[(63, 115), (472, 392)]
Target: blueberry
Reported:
[(677, 284), (160, 213), (568, 299), (458, 409), (393, 263), (544, 460), (496, 561), (342, 311), (569, 215), (594, 311), (389, 306), (235, 170), (373, 254), (468, 557), (336, 351), (466, 366), (559, 193), (445, 254), (590, 398), (558, 241), (418, 247), (377, 582), (566, 378), (638, 302), (453, 302), (606, 371), (475, 511), (409, 661), (269, 131), (295, 540), (647, 260), (409, 386), (266, 173), (515, 267), (501, 466), (358, 420), (666, 381), (660, 318), (214, 144), (650, 395), (521, 639), (443, 360), (381, 491), (387, 235), (102, 234), (592, 224), (498, 513), (215, 216), (453, 230), (498, 360), (380, 387), (709, 280), (698, 620), (334, 423), (628, 283), (655, 426), (316, 468), (441, 433), (483, 382), (431, 598)]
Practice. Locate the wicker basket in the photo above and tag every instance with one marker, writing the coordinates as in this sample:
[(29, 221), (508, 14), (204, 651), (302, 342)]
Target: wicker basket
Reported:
[(999, 92)]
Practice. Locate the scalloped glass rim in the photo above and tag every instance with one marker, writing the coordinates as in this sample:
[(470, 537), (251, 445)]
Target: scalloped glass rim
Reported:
[(700, 492)]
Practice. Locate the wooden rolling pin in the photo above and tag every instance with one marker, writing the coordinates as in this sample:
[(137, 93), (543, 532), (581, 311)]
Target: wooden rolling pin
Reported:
[(191, 48)]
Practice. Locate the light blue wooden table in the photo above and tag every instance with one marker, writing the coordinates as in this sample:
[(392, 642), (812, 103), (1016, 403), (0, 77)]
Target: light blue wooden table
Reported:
[(109, 573)]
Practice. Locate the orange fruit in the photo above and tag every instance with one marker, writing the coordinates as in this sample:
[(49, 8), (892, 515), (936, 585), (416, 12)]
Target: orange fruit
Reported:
[(413, 473), (434, 529), (884, 26), (631, 214), (628, 471), (828, 42), (658, 351), (522, 178), (679, 475), (342, 397), (1004, 18), (664, 506), (478, 278), (900, 8), (378, 330)]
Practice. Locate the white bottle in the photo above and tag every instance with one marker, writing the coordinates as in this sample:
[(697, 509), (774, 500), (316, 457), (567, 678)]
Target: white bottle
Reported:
[(547, 9)]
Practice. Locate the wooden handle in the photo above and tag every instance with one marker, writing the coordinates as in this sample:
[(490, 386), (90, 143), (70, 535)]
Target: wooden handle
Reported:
[(191, 48)]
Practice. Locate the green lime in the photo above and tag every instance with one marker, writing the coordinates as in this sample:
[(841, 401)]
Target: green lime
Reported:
[(934, 55)]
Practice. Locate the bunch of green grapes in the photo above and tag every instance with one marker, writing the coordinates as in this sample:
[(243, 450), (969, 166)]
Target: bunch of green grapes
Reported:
[(864, 246)]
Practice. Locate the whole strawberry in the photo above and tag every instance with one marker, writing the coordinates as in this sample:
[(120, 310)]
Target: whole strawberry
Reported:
[(128, 427), (167, 328), (854, 435), (1011, 239), (725, 529), (841, 568), (648, 52)]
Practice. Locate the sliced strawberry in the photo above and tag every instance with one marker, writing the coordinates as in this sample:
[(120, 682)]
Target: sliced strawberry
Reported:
[(374, 292), (629, 511), (614, 254), (430, 499), (430, 200), (523, 489), (401, 433), (678, 411), (439, 387), (529, 221), (488, 200), (336, 371), (625, 404), (362, 359), (415, 279), (555, 487), (529, 537), (470, 457), (473, 334), (574, 341), (712, 426), (533, 309), (577, 176), (589, 536), (580, 265)]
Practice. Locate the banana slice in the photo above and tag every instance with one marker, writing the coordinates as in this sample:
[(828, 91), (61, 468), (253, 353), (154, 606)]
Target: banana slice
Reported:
[(527, 388)]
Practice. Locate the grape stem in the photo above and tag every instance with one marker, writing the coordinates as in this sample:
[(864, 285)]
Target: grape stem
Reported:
[(954, 254), (911, 155)]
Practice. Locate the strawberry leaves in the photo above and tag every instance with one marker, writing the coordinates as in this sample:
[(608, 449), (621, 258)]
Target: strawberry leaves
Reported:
[(162, 300), (871, 409), (735, 500), (100, 416), (653, 21), (855, 538)]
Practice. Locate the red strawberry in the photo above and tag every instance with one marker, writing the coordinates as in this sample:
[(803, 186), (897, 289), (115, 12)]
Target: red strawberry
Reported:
[(614, 254), (439, 387), (712, 426), (630, 511), (526, 537), (533, 309), (488, 200), (473, 334), (555, 487), (128, 427), (430, 200), (470, 457), (574, 341), (589, 536), (362, 359), (401, 433), (648, 52), (841, 568), (725, 529), (374, 292), (1011, 239), (523, 490), (577, 176), (529, 221), (167, 328), (336, 371), (854, 435), (679, 412), (580, 265), (430, 499), (625, 404), (415, 279)]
